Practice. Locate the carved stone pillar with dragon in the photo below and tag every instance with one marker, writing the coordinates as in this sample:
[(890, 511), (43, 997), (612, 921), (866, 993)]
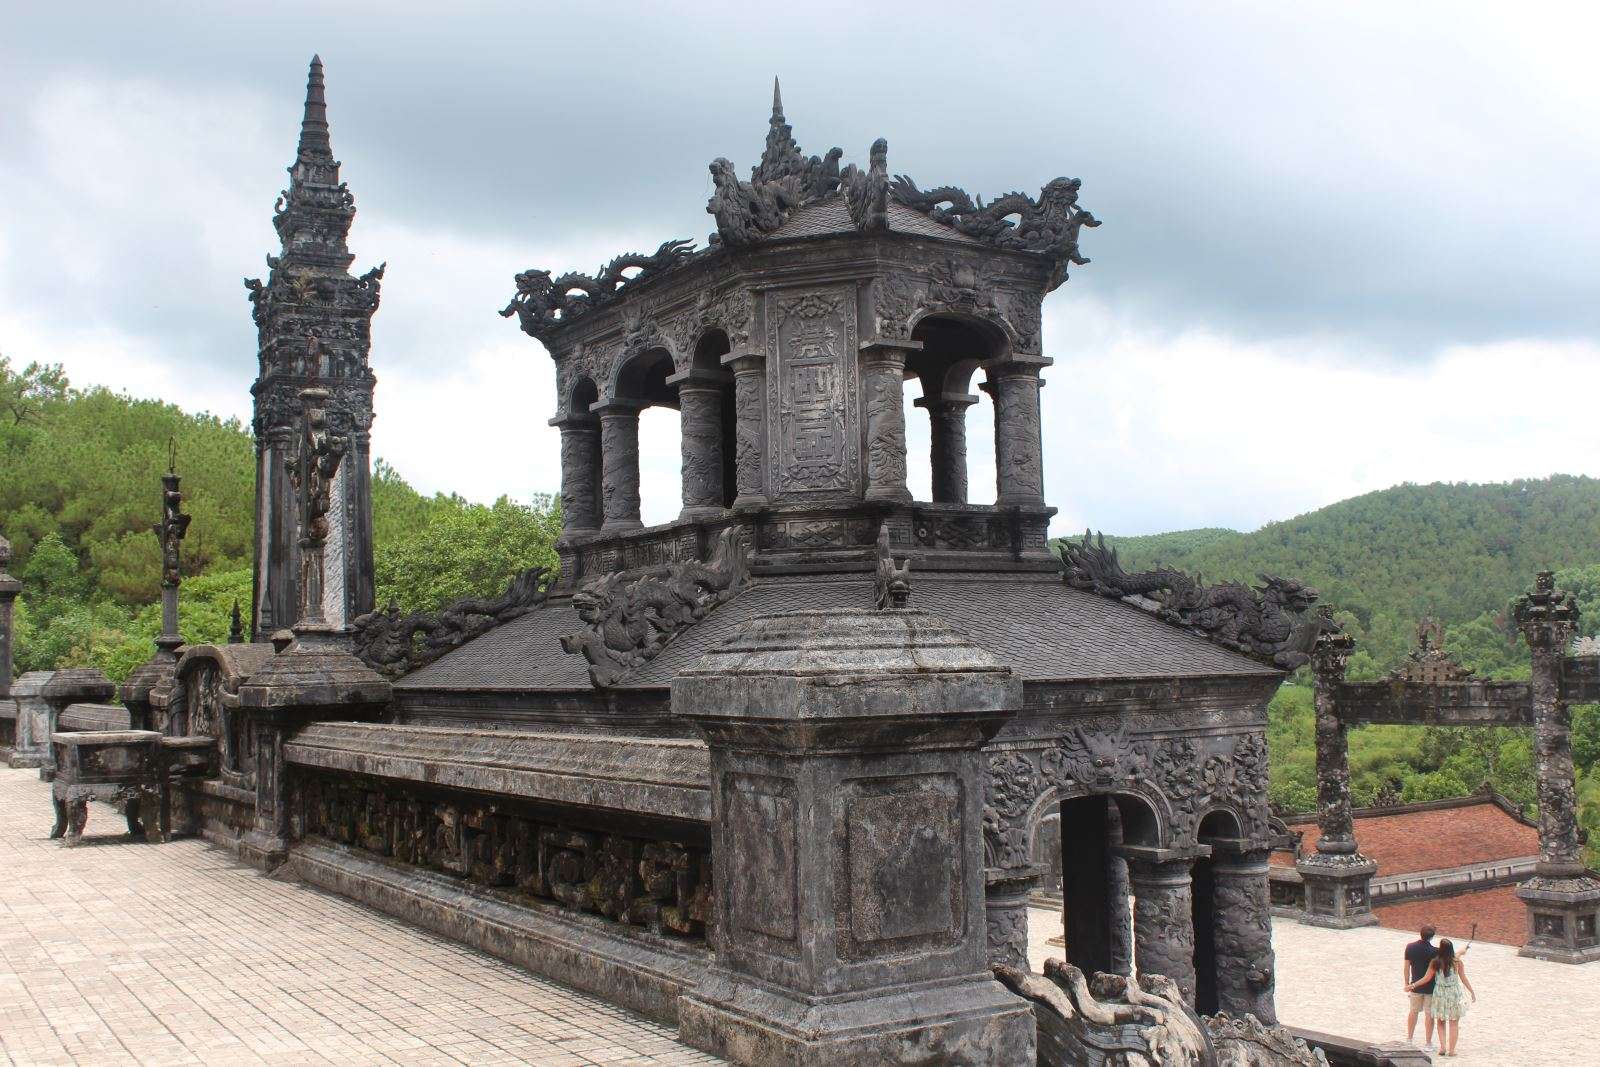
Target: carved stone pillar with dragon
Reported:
[(1018, 451), (1563, 896), (883, 372), (947, 427), (619, 463), (1163, 912), (1338, 878), (750, 431), (700, 415), (580, 477)]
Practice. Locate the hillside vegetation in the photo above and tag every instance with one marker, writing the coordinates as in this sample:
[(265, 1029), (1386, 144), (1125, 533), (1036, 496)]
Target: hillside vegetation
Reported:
[(1461, 553), (80, 489)]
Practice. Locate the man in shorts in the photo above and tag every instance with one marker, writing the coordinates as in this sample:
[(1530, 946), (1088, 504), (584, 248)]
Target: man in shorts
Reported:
[(1419, 954)]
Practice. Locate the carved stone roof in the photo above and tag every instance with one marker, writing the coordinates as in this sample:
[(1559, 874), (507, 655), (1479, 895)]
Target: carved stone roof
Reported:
[(1034, 624), (791, 195), (824, 218)]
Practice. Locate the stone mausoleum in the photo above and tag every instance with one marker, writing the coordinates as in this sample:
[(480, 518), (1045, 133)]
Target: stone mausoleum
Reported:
[(779, 770)]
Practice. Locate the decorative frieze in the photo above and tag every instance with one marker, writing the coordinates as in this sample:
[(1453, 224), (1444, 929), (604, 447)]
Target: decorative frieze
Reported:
[(661, 885)]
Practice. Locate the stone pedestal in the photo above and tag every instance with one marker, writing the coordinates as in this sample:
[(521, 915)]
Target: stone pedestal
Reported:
[(947, 432), (315, 678), (1163, 913), (619, 464), (1338, 890), (750, 426), (71, 685), (1563, 916), (847, 843), (32, 736), (700, 438)]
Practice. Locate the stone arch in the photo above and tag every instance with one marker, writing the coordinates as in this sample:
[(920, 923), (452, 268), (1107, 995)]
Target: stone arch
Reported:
[(955, 344)]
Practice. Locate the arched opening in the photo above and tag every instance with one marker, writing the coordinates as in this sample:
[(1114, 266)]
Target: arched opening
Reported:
[(1216, 829), (642, 487), (941, 450), (1095, 914)]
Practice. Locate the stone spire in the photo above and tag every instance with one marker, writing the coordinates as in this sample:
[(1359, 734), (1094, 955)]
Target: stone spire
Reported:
[(314, 326), (782, 156), (314, 143), (169, 531), (9, 588)]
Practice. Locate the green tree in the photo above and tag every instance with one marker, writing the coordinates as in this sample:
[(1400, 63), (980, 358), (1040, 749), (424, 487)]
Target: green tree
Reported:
[(465, 550)]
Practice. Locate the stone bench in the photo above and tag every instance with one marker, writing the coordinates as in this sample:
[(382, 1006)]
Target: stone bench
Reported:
[(129, 769)]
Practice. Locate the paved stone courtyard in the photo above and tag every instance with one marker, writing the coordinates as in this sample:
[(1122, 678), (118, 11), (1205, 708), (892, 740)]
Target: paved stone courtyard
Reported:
[(117, 952), (1348, 982)]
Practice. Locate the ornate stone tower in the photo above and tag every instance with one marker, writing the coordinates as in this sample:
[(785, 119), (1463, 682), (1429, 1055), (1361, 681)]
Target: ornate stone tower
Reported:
[(314, 320)]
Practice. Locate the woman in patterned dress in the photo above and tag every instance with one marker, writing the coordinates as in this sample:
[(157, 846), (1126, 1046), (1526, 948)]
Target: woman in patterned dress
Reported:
[(1448, 1004)]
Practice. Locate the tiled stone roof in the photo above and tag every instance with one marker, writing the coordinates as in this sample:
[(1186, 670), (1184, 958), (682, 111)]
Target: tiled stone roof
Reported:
[(1034, 623), (830, 216)]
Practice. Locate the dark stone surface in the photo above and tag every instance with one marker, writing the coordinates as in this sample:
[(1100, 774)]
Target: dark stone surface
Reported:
[(844, 757)]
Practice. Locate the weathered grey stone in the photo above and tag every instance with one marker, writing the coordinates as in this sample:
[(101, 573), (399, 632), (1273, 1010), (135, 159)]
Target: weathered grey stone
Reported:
[(846, 837)]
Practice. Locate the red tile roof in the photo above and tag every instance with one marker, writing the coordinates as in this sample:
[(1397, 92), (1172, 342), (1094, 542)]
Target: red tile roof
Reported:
[(1406, 840), (1499, 915)]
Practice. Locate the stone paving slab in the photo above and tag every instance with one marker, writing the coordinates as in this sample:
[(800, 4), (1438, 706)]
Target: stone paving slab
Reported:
[(1347, 982), (118, 952)]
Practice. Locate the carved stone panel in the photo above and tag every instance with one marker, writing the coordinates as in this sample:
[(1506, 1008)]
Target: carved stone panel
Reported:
[(760, 815), (904, 883), (811, 396)]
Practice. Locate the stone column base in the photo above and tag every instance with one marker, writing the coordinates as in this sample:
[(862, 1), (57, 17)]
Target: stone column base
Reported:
[(1338, 890), (965, 1021), (1563, 916), (24, 759), (263, 851)]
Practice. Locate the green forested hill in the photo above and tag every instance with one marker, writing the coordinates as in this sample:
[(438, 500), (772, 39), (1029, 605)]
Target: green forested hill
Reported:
[(1459, 552), (80, 487)]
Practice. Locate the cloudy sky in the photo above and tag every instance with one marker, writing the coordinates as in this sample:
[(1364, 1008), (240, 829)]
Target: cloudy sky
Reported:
[(1344, 245)]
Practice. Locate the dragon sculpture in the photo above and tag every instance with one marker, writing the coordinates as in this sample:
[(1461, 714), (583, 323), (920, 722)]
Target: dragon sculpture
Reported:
[(1049, 225), (394, 644), (866, 192), (1113, 1021), (892, 581), (630, 616), (1271, 623), (543, 303)]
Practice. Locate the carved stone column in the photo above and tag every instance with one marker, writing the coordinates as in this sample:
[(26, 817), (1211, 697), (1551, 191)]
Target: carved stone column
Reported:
[(580, 473), (1338, 878), (947, 425), (750, 426), (1563, 896), (700, 415), (1242, 931), (847, 841), (9, 588), (1005, 913), (883, 375), (619, 464), (1163, 913), (1018, 450)]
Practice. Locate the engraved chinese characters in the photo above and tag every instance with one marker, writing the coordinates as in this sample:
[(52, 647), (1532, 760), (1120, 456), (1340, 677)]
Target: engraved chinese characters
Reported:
[(811, 404)]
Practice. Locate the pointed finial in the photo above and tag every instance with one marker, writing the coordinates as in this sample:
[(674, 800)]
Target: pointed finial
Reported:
[(172, 455), (777, 101), (314, 126), (235, 625)]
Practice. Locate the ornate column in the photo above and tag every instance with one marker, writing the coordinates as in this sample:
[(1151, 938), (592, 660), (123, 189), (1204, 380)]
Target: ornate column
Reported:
[(947, 424), (1163, 913), (847, 840), (750, 426), (580, 470), (1018, 451), (883, 375), (1242, 930), (619, 463), (1563, 896), (315, 676), (1338, 878), (9, 588), (1005, 913), (700, 414), (160, 668)]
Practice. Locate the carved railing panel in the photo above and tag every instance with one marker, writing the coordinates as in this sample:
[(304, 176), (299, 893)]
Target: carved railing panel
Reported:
[(662, 885)]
